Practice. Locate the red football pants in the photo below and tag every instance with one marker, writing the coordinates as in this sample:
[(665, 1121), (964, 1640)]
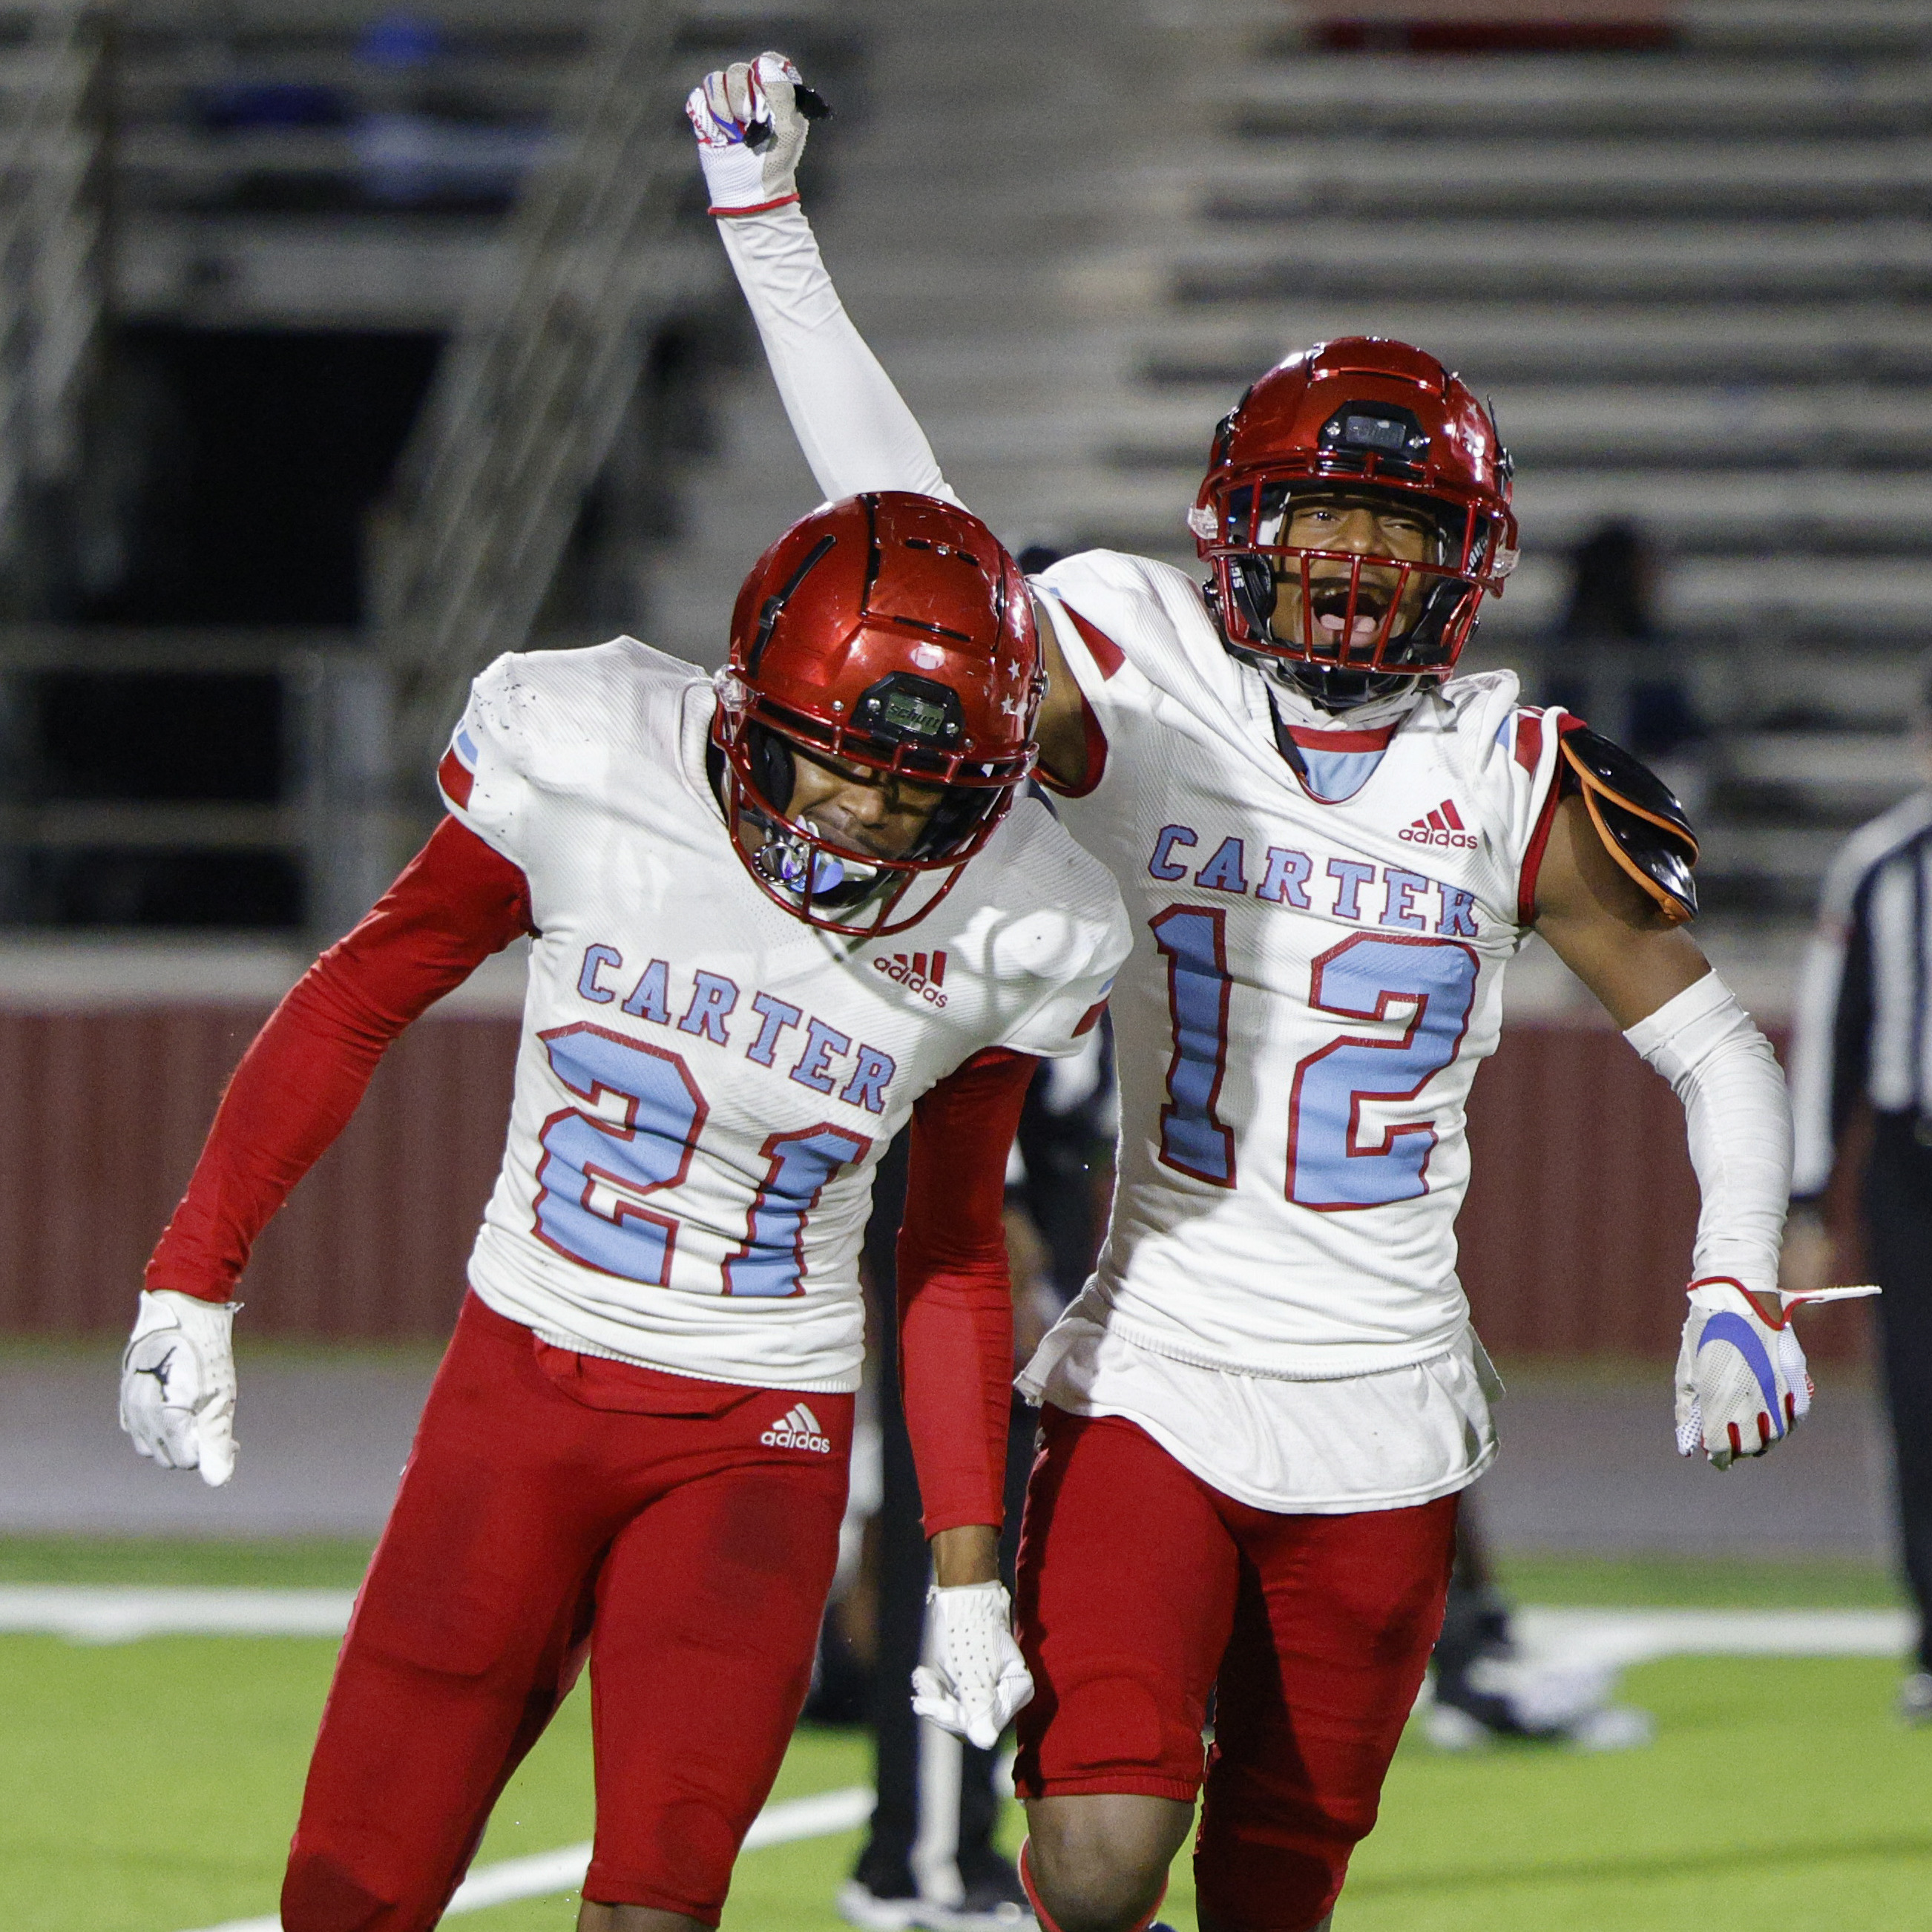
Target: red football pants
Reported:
[(554, 1505), (1141, 1588)]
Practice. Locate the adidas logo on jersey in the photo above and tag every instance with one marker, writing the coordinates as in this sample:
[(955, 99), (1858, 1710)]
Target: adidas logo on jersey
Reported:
[(800, 1430), (917, 973), (1442, 826)]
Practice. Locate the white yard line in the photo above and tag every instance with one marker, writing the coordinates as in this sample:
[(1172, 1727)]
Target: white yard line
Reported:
[(1619, 1638), (121, 1613), (544, 1873), (114, 1613)]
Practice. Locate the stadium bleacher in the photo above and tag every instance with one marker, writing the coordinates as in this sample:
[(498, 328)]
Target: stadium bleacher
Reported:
[(1694, 272), (265, 219), (1685, 252)]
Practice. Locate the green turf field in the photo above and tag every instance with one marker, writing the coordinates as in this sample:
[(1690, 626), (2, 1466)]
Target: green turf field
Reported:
[(151, 1786)]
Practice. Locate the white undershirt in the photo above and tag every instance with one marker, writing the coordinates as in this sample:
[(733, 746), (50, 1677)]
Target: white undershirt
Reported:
[(1388, 1441)]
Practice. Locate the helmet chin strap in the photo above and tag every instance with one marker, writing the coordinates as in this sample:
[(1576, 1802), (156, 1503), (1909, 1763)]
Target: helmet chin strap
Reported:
[(1301, 687)]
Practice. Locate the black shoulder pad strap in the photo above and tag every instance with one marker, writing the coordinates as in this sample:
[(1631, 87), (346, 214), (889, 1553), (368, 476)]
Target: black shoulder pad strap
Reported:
[(1637, 817)]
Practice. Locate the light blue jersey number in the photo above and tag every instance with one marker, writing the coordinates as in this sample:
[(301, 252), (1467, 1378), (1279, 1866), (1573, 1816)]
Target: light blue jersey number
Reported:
[(597, 1172), (773, 1256), (1332, 1164), (1193, 1138)]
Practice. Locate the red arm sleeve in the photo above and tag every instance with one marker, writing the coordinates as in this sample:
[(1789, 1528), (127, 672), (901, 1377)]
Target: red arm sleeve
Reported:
[(457, 902), (954, 1293)]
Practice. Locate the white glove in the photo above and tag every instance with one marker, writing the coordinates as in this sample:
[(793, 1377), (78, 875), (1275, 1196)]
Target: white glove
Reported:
[(751, 121), (976, 1678), (1742, 1381), (177, 1384)]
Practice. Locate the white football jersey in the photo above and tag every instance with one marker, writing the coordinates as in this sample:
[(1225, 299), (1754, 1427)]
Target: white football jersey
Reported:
[(1317, 970), (705, 1083)]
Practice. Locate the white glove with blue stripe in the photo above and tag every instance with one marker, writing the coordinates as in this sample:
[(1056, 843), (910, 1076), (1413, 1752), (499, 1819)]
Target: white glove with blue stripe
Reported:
[(1742, 1381)]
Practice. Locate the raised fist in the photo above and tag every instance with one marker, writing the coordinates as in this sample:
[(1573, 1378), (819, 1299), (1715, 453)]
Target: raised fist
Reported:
[(751, 120)]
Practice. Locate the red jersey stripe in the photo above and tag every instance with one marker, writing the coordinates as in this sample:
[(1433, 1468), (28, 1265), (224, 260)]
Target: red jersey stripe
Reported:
[(1105, 653), (1314, 740), (456, 779)]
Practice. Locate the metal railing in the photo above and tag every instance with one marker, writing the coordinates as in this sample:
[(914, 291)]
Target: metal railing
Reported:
[(333, 818), (51, 230), (532, 391)]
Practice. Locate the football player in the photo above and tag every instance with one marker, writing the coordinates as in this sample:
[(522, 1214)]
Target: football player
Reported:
[(774, 917), (1257, 1416)]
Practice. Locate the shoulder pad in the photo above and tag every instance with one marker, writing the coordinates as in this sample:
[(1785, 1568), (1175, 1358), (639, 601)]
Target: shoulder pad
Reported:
[(1637, 817)]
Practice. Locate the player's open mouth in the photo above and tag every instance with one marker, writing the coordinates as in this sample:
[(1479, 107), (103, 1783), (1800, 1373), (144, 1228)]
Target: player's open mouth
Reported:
[(1330, 602)]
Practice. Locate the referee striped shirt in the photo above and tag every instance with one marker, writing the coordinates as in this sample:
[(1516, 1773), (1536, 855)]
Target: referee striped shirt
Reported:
[(1863, 1023)]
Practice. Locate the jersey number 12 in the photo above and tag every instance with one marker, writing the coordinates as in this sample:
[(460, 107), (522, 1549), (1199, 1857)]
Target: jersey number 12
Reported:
[(1333, 1163)]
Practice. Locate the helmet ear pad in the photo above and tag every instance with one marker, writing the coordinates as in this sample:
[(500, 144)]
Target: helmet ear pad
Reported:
[(1251, 584), (774, 772)]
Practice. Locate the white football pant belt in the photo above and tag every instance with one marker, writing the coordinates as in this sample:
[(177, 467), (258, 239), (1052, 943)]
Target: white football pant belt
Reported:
[(177, 1384)]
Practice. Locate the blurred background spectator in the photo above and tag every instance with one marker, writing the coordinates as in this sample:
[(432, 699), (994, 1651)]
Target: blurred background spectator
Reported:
[(1612, 665)]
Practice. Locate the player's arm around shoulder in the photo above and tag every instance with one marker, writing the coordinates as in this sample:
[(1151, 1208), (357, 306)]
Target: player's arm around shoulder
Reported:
[(1742, 1383), (1078, 603), (1063, 934)]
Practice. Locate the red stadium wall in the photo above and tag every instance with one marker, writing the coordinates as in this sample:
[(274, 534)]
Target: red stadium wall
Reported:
[(1576, 1234), (103, 1113), (1576, 1239)]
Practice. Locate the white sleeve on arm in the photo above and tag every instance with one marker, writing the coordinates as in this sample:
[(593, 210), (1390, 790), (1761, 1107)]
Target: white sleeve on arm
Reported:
[(1738, 1119), (853, 425)]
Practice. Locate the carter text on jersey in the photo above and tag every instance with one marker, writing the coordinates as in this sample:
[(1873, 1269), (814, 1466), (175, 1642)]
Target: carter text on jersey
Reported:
[(1352, 889), (714, 998)]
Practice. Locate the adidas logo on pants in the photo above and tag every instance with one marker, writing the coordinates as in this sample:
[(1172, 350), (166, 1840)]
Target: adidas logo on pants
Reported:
[(798, 1429)]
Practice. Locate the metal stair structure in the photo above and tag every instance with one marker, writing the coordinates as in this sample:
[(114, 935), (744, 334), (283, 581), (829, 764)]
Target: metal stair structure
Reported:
[(51, 242), (530, 392)]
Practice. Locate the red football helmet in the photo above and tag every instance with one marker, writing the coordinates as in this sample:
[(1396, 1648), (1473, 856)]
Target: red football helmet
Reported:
[(890, 631), (1364, 427)]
